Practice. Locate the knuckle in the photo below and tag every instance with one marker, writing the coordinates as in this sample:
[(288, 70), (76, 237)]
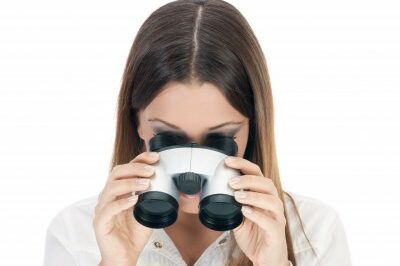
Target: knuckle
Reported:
[(148, 174), (269, 181), (140, 169), (131, 182), (112, 193), (271, 184), (116, 168), (247, 179), (114, 171), (135, 183), (138, 157), (109, 187), (255, 166), (275, 191), (254, 179), (279, 202), (149, 155), (134, 159), (109, 191), (144, 156), (281, 221), (255, 196), (120, 203), (134, 164)]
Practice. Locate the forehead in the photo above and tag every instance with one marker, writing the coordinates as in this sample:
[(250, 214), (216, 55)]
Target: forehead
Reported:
[(188, 105)]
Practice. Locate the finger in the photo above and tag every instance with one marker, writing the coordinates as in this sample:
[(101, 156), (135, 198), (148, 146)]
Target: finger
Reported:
[(104, 221), (255, 183), (129, 170), (245, 166), (263, 201), (118, 188), (271, 226), (146, 157), (125, 170)]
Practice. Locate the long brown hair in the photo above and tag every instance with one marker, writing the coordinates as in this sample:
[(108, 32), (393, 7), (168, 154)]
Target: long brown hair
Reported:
[(201, 41)]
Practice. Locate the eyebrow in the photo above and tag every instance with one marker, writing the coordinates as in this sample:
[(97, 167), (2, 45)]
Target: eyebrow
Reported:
[(209, 129)]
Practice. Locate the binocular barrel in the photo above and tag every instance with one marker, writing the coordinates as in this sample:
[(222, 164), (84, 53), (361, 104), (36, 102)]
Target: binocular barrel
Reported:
[(190, 168)]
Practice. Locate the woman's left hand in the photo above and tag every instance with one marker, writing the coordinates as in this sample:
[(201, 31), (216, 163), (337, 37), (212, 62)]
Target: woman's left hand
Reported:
[(261, 235)]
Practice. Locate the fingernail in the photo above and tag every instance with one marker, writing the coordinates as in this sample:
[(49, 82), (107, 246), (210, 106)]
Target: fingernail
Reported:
[(153, 154), (143, 181), (234, 180), (246, 209), (230, 159), (149, 168), (240, 194)]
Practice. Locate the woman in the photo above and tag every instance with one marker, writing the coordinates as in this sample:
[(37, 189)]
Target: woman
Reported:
[(196, 68)]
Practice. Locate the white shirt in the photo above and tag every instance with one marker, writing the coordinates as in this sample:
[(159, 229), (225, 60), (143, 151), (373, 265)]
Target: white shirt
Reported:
[(70, 238)]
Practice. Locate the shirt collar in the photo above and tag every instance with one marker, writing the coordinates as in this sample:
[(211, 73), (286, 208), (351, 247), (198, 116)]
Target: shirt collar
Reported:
[(161, 243)]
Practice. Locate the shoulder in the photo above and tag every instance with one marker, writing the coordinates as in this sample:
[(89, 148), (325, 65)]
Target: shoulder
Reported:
[(323, 240), (73, 225), (79, 211), (318, 219)]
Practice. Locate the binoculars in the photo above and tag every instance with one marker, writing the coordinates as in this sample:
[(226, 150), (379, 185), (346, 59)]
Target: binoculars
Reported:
[(190, 168)]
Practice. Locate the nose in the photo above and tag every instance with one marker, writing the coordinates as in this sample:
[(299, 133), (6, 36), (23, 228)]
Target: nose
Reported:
[(195, 138)]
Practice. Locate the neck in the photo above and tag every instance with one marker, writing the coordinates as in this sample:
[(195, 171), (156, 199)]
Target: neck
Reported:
[(189, 221)]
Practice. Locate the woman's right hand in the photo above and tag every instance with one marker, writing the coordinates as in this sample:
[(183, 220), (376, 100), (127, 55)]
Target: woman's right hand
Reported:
[(119, 236)]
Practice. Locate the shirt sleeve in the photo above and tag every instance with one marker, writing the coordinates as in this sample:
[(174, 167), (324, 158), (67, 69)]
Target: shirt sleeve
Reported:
[(57, 250), (336, 251)]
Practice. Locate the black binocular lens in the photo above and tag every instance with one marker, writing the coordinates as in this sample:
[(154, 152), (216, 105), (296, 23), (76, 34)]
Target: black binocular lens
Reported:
[(156, 209), (220, 212)]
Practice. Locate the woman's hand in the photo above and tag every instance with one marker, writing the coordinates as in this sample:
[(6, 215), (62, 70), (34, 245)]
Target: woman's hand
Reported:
[(120, 237), (261, 236)]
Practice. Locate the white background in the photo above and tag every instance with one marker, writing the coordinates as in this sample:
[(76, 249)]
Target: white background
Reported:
[(334, 68)]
